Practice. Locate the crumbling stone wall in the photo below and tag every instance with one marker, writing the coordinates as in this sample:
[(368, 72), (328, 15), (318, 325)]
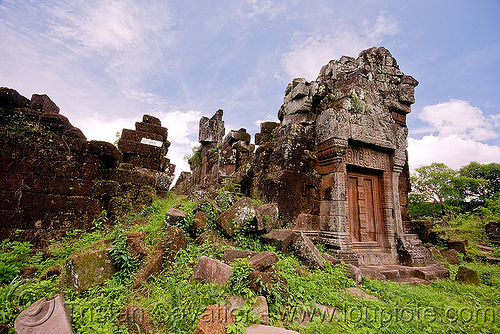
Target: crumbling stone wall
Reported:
[(53, 180), (336, 164)]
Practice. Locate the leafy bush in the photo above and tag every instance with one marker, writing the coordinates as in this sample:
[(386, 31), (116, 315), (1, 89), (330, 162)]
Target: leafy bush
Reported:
[(13, 256)]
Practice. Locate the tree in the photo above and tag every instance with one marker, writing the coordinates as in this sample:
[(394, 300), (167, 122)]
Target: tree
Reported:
[(434, 184), (488, 180)]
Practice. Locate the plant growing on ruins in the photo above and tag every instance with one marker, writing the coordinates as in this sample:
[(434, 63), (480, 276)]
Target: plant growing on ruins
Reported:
[(120, 254), (13, 257), (238, 281)]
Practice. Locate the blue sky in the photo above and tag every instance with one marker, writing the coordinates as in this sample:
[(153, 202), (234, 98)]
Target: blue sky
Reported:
[(106, 63)]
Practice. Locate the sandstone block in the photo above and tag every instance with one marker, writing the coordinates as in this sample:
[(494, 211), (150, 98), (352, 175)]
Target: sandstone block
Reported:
[(151, 120), (281, 239), (106, 150), (467, 276), (152, 266), (105, 188), (211, 130), (211, 271), (305, 250), (357, 292), (89, 268), (331, 259), (44, 316), (262, 138), (138, 136), (235, 136), (451, 256), (231, 254), (459, 245), (145, 150), (175, 216), (262, 260), (175, 240), (240, 215), (267, 217), (151, 128), (432, 273), (44, 104), (10, 98), (260, 308), (268, 127)]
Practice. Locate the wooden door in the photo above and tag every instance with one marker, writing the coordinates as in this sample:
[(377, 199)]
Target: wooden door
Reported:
[(365, 218)]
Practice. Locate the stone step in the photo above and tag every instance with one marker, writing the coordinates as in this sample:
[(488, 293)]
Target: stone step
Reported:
[(485, 248)]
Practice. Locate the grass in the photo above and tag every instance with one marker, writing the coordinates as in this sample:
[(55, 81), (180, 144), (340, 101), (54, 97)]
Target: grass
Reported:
[(175, 304)]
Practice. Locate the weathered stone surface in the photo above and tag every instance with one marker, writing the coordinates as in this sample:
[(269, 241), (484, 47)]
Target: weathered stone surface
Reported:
[(10, 98), (459, 245), (89, 268), (175, 240), (44, 104), (214, 320), (52, 271), (281, 239), (151, 120), (212, 129), (268, 127), (305, 250), (44, 316), (231, 254), (467, 276), (136, 248), (27, 272), (262, 260), (239, 216), (357, 292), (331, 259), (200, 222), (211, 271), (152, 128), (354, 273), (451, 256), (432, 273), (175, 216), (153, 265), (267, 217), (263, 329)]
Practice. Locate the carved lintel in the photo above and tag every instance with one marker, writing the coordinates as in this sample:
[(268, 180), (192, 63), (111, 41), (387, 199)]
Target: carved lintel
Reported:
[(329, 154)]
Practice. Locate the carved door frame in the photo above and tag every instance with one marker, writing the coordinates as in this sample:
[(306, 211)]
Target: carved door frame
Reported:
[(365, 218)]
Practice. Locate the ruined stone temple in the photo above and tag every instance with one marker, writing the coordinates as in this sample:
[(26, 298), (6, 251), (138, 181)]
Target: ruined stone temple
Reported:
[(52, 179), (336, 163)]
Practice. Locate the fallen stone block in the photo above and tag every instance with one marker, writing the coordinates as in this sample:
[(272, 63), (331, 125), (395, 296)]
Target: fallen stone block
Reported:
[(267, 217), (211, 271), (44, 104), (305, 250), (175, 216), (467, 276), (231, 254), (431, 273), (281, 239), (88, 268), (151, 120), (262, 260), (44, 316), (175, 240), (459, 245), (153, 265), (214, 320), (331, 259), (240, 215), (451, 256), (354, 273)]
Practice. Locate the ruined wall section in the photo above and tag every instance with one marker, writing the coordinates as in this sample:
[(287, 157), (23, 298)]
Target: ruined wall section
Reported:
[(53, 180)]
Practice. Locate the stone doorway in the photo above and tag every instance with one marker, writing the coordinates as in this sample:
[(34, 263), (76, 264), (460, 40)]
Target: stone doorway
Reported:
[(364, 193)]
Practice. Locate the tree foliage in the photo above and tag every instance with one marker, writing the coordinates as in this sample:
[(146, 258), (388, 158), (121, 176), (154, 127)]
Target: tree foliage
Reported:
[(439, 189)]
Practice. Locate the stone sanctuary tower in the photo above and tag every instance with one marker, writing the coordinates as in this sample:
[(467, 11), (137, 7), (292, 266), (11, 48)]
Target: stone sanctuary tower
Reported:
[(336, 163)]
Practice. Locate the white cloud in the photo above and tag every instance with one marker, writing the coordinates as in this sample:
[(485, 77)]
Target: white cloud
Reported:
[(457, 117), (310, 52), (267, 8), (460, 129), (452, 150)]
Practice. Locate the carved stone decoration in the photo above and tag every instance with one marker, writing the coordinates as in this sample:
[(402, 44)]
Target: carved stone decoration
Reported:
[(44, 316)]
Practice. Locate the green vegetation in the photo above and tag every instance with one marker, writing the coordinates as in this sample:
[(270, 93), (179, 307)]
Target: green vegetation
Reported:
[(175, 304)]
